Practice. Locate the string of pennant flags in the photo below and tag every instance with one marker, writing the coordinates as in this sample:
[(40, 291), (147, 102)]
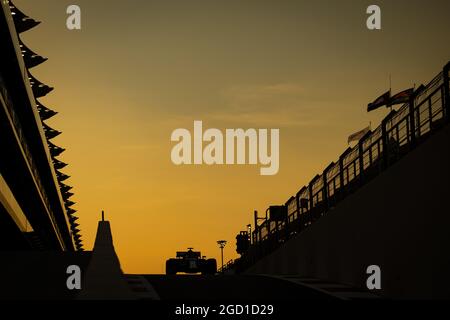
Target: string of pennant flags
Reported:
[(388, 100)]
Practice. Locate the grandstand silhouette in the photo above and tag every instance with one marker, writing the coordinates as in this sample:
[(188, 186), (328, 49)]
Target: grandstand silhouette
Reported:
[(401, 131)]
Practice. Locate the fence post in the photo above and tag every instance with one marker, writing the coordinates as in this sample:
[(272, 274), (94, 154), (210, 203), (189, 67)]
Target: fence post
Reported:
[(311, 200), (325, 186), (286, 221), (297, 203), (361, 155), (446, 97), (341, 177), (412, 122), (301, 216), (255, 216), (341, 171), (384, 138), (310, 192)]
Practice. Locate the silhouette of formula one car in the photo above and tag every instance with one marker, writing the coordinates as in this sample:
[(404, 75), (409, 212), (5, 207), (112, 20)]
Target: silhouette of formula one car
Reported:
[(190, 262)]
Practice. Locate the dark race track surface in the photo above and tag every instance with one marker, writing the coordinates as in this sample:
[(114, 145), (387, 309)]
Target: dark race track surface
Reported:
[(229, 287)]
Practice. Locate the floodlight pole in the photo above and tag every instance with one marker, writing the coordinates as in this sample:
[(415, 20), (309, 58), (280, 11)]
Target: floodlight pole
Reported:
[(222, 244)]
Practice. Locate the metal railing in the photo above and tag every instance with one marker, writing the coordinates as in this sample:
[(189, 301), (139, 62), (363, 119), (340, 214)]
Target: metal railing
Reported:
[(399, 132), (226, 266), (28, 156)]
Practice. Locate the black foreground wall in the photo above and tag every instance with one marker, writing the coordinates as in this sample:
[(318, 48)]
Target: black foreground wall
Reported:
[(400, 221)]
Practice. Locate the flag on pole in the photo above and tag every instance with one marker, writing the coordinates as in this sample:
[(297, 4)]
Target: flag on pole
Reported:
[(401, 97), (358, 135), (380, 101)]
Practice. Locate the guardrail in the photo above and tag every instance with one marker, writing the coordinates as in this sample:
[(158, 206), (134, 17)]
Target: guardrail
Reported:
[(226, 266), (29, 158), (399, 132)]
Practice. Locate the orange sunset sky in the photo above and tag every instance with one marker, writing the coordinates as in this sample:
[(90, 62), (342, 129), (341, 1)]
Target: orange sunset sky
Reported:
[(139, 69)]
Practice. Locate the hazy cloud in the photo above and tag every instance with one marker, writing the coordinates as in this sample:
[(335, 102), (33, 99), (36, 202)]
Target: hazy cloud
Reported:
[(268, 105)]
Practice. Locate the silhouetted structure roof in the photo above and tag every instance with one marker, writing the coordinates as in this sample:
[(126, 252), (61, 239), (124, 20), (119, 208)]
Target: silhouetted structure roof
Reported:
[(69, 203), (61, 177), (22, 21), (55, 150), (64, 187), (50, 133), (59, 212), (73, 218), (30, 58), (39, 89), (58, 164), (67, 195), (44, 112)]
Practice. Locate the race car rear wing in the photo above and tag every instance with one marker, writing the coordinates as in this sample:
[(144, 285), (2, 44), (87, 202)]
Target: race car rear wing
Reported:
[(188, 254)]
